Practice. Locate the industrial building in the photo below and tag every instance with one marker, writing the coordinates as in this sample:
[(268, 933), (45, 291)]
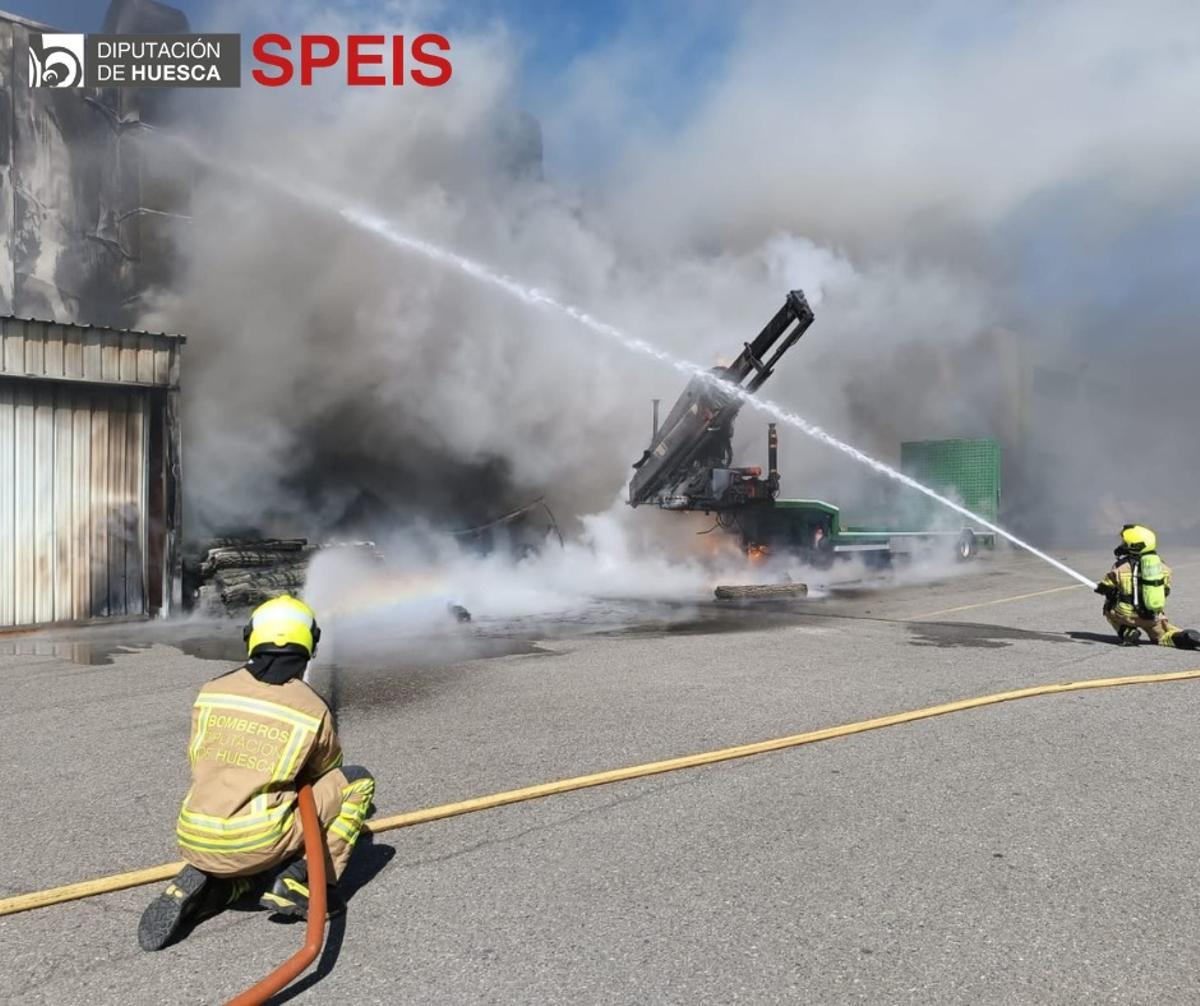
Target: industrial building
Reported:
[(90, 498)]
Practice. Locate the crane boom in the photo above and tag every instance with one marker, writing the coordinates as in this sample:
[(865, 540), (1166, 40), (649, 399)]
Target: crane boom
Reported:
[(688, 463)]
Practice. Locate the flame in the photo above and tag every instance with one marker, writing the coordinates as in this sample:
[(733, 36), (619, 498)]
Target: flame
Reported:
[(757, 554)]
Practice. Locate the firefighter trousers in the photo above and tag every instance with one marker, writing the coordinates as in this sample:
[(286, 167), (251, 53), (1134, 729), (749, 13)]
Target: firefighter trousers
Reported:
[(1159, 629), (343, 799)]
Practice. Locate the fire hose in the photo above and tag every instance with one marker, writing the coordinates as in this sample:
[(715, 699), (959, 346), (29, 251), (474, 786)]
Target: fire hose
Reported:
[(165, 871), (314, 846), (314, 934)]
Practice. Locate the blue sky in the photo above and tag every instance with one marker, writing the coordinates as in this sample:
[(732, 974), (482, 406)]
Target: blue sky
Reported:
[(552, 33), (678, 44), (669, 50)]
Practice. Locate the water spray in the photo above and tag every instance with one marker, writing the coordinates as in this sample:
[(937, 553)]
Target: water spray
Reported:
[(370, 222), (539, 298)]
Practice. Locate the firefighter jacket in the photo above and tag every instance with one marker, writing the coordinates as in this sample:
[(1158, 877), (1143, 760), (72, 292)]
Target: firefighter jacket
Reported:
[(252, 743), (1125, 599)]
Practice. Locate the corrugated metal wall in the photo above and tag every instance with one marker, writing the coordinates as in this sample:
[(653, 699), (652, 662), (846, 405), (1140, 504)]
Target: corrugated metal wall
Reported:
[(73, 473), (75, 353), (89, 473)]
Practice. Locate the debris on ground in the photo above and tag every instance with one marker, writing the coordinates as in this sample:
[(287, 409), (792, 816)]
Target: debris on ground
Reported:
[(237, 574), (761, 590)]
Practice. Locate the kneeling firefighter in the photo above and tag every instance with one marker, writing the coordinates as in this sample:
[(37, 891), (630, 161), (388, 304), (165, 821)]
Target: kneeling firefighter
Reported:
[(258, 733), (1136, 591)]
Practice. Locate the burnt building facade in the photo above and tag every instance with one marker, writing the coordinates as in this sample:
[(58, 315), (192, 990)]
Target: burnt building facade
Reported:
[(89, 435)]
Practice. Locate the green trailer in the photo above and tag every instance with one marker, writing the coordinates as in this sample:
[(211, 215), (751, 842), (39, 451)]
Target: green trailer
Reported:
[(967, 471), (812, 530)]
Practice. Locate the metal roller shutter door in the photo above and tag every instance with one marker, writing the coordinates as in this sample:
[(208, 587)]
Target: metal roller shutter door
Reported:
[(73, 467)]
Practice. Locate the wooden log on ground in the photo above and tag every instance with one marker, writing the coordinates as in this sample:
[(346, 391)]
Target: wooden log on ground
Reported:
[(761, 590)]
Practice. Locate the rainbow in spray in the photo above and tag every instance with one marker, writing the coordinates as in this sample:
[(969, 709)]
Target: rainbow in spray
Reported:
[(383, 591)]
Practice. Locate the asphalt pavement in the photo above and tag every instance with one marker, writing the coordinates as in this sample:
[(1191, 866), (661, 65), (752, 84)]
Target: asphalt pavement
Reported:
[(1041, 851)]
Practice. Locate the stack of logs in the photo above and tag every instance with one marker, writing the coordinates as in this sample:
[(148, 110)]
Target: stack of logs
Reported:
[(238, 574)]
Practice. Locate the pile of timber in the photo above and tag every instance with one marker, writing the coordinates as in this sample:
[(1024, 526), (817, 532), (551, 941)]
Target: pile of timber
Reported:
[(238, 574)]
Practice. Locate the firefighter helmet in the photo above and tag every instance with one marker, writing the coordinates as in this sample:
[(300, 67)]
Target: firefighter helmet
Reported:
[(280, 624), (1138, 539)]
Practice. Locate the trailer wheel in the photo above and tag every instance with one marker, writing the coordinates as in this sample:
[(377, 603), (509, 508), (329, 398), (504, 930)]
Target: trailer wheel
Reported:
[(966, 546), (877, 560)]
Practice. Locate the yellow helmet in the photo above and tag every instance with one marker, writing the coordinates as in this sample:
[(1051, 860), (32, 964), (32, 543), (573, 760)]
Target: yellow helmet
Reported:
[(282, 622), (1138, 539)]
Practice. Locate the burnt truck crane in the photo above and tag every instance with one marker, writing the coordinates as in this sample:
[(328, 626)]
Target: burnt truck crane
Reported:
[(689, 465)]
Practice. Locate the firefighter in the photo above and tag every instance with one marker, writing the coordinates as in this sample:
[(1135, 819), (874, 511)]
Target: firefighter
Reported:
[(257, 734), (1136, 591)]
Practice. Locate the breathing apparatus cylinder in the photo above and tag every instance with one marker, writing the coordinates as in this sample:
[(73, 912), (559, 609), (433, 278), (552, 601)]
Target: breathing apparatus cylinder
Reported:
[(1150, 585)]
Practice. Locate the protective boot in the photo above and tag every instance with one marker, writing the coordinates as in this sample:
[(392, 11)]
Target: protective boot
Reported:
[(1186, 639), (191, 897), (288, 894)]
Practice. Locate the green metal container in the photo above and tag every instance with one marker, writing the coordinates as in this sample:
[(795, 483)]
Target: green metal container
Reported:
[(967, 471)]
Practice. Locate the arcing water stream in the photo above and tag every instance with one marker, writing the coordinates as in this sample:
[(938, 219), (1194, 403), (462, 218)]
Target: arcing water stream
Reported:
[(538, 298), (368, 221)]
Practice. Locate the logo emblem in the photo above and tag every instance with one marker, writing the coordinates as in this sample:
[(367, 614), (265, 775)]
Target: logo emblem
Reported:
[(56, 60)]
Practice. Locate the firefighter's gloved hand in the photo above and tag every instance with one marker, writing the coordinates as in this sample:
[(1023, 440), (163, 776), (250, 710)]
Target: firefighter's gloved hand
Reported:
[(1104, 588)]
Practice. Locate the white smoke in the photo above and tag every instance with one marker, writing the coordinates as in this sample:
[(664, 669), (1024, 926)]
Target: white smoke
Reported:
[(882, 163)]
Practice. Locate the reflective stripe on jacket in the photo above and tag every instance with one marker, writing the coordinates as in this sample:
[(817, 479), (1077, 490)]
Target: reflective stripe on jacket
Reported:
[(1122, 577), (250, 744)]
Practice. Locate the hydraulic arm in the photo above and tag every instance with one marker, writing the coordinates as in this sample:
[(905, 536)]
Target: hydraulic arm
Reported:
[(688, 463)]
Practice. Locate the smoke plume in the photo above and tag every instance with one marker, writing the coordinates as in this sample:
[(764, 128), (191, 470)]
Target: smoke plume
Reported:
[(991, 209)]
